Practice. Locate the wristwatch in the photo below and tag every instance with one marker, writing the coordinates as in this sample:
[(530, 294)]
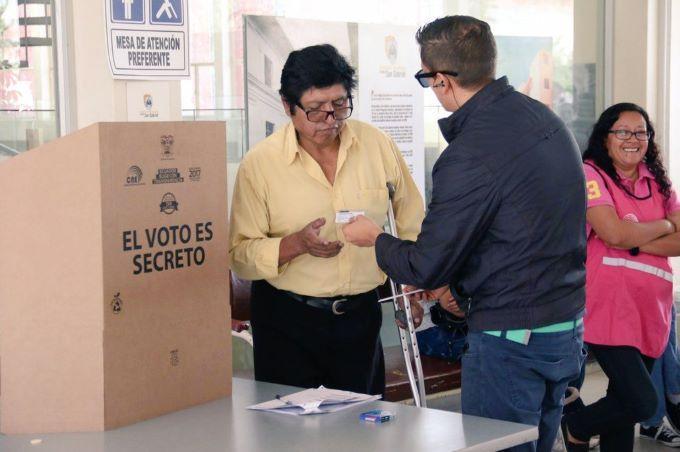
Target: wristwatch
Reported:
[(634, 251)]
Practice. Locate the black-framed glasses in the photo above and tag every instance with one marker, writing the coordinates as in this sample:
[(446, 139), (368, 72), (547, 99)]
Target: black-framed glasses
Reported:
[(423, 77), (339, 112), (623, 135)]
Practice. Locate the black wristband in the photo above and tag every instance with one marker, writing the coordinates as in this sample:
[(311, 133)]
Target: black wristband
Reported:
[(634, 251)]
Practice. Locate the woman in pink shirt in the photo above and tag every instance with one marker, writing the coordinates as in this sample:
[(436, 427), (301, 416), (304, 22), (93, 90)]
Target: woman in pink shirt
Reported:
[(633, 215)]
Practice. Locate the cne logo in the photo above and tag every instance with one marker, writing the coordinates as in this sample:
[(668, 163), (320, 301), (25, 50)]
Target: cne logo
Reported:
[(169, 203), (134, 176), (148, 101), (117, 303), (166, 143)]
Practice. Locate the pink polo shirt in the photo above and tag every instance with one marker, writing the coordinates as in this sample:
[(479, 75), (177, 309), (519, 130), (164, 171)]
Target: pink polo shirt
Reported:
[(628, 298)]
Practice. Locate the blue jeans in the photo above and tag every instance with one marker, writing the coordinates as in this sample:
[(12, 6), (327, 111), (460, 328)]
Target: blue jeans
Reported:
[(441, 343), (665, 376), (522, 383)]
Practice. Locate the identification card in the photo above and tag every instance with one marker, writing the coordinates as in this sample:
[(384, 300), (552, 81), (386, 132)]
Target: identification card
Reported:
[(345, 216)]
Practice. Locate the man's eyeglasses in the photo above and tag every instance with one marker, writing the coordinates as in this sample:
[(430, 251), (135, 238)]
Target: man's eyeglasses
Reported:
[(339, 112), (623, 135), (423, 77)]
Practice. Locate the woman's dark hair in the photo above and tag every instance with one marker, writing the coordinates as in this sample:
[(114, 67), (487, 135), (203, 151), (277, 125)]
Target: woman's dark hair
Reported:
[(598, 153), (317, 66)]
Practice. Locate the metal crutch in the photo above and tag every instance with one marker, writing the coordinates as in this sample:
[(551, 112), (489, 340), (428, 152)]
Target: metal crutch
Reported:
[(418, 389)]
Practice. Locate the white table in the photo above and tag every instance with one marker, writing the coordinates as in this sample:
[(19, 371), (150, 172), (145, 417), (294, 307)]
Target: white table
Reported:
[(226, 425)]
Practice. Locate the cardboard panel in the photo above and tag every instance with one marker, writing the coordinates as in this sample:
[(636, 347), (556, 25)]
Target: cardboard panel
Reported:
[(50, 287), (166, 308), (92, 336)]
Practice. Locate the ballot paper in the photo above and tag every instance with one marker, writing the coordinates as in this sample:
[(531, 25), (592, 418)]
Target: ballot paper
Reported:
[(314, 401)]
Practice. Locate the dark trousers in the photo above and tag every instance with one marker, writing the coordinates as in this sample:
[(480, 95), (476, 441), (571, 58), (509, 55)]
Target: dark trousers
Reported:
[(630, 398), (299, 345)]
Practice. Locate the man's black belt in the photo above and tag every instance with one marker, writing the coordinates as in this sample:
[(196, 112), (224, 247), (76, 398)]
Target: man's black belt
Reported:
[(337, 305)]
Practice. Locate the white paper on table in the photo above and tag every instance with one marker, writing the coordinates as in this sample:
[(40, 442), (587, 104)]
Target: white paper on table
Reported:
[(314, 401)]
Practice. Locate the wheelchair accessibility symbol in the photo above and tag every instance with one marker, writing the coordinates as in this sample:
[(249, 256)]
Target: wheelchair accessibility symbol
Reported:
[(167, 12)]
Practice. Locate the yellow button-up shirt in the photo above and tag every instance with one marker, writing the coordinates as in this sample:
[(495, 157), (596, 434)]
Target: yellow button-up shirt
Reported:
[(280, 188)]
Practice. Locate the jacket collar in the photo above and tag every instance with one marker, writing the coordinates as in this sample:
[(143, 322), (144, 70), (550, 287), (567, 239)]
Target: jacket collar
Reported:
[(453, 125)]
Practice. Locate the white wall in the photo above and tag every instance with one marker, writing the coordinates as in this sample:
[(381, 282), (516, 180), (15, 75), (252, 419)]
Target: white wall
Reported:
[(630, 53), (638, 68), (674, 93)]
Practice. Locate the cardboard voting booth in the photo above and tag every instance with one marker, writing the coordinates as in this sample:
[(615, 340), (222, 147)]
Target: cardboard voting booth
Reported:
[(114, 301)]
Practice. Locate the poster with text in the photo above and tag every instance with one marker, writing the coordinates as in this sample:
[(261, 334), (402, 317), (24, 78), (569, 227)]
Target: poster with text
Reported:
[(148, 39), (390, 97)]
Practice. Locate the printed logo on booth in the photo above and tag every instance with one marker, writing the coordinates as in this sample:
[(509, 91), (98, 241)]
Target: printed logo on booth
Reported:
[(167, 176), (117, 303), (166, 143), (174, 358), (195, 174), (169, 204), (134, 176)]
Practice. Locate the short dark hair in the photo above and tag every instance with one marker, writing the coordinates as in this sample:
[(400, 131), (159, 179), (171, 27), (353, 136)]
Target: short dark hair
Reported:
[(459, 44), (318, 66), (597, 147)]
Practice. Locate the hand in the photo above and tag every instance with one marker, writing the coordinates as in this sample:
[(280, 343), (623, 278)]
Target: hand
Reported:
[(415, 296), (361, 231), (309, 240), (417, 312), (447, 301)]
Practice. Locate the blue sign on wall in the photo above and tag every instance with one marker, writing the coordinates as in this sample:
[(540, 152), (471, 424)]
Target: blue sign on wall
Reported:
[(127, 11), (167, 12)]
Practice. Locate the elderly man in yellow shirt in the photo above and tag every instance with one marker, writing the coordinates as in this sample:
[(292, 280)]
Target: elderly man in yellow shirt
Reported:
[(315, 315)]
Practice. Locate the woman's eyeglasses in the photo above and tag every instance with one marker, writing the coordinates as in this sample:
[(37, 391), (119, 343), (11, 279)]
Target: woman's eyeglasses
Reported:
[(623, 135)]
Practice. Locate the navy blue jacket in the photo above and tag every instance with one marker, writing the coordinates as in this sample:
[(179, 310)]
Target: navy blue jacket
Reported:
[(506, 224)]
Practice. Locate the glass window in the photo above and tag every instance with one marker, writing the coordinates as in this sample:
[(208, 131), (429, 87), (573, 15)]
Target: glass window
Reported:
[(557, 59), (28, 105)]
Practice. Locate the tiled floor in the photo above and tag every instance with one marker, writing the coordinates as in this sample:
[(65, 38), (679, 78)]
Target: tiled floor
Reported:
[(593, 388)]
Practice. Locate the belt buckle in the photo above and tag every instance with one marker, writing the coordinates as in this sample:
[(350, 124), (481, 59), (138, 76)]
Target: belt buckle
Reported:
[(334, 307)]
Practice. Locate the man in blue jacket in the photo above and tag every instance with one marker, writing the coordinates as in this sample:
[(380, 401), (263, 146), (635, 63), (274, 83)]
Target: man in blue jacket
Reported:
[(504, 232)]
